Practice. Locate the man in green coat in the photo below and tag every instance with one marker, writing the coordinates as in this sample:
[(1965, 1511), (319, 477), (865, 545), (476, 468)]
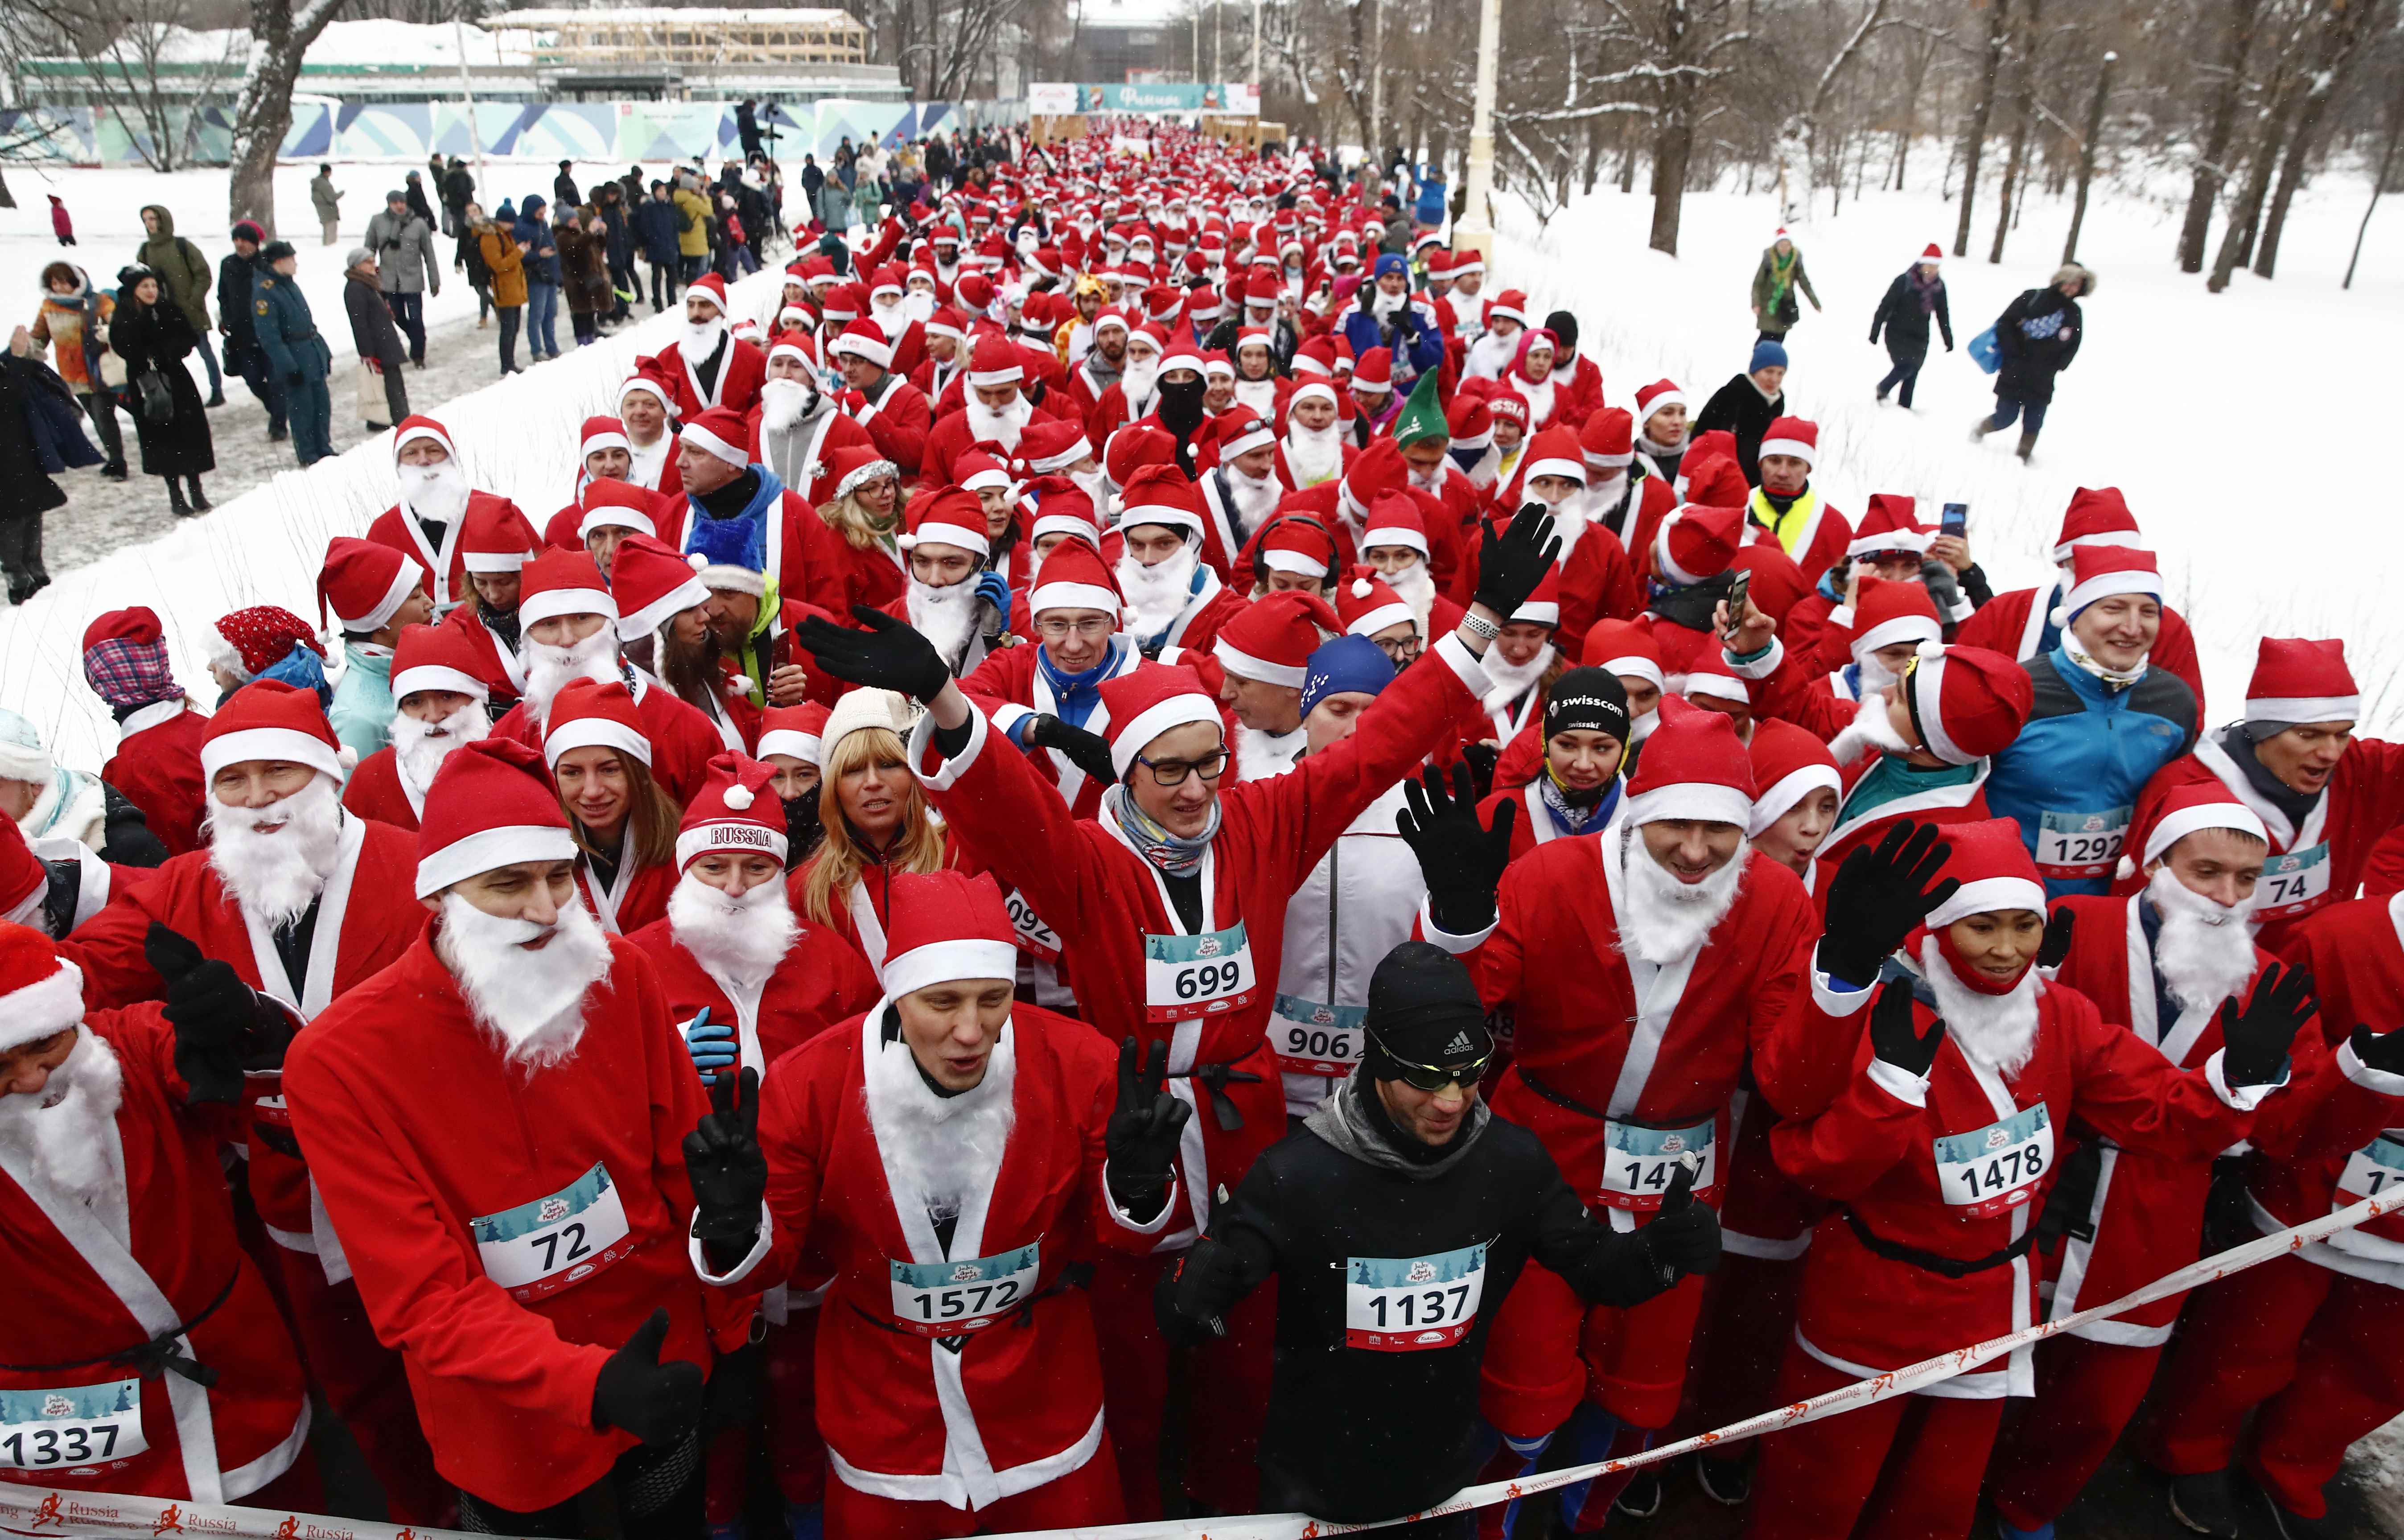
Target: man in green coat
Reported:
[(1774, 283), (185, 274), (296, 354)]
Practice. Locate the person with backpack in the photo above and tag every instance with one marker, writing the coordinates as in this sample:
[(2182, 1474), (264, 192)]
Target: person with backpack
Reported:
[(2036, 338), (184, 273)]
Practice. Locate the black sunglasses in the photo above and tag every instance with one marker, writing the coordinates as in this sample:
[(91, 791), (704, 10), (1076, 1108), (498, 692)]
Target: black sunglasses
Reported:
[(1436, 1077)]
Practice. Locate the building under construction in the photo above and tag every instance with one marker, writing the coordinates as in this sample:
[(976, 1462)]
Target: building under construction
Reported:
[(663, 50)]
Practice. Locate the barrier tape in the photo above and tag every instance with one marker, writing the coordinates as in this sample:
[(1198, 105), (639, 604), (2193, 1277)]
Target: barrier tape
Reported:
[(41, 1512)]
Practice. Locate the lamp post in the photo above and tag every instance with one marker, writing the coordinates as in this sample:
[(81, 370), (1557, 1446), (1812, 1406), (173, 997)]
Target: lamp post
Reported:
[(1475, 229)]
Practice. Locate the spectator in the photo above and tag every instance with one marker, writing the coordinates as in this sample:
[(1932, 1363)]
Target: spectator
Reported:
[(504, 254), (377, 340), (62, 224), (2036, 337), (1916, 295), (658, 229), (184, 273), (73, 323), (237, 276), (413, 186), (533, 234), (327, 202), (584, 274), (747, 126), (402, 241), (458, 191), (152, 334), (1748, 405), (563, 187), (49, 801), (469, 259), (1774, 283), (616, 249), (38, 439), (692, 229), (814, 181), (296, 354)]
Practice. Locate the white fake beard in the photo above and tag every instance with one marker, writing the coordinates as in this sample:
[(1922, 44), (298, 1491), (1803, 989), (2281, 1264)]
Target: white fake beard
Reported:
[(1415, 587), (700, 340), (784, 402), (937, 1150), (1315, 455), (1261, 754), (1094, 483), (438, 491), (1256, 497), (2205, 951), (548, 669), (890, 318), (1605, 495), (531, 1003), (1387, 304), (1666, 919), (1260, 395), (274, 876), (1540, 402), (740, 938), (1641, 727), (944, 616), (1136, 381), (65, 1130), (919, 307), (419, 747), (1513, 681), (986, 425), (1873, 677), (1158, 594), (1571, 516), (651, 461), (1870, 730), (1998, 1031)]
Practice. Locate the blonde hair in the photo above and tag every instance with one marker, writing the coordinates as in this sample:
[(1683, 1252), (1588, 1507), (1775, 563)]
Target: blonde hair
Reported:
[(839, 862), (859, 528)]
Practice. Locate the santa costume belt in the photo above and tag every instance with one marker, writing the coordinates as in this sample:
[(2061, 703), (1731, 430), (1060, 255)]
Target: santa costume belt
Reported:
[(154, 1357), (1944, 1266), (1569, 1104), (1074, 1275), (1215, 1078)]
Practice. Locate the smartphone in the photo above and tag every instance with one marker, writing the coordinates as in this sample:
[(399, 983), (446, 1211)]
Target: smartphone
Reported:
[(1955, 521), (1736, 602)]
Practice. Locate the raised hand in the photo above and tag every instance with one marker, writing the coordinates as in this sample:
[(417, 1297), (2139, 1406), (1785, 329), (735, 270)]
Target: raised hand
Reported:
[(1511, 565), (1879, 894), (888, 654), (1895, 1038), (1683, 1236), (2060, 929), (2381, 1051), (2255, 1039), (1461, 859), (724, 1163), (658, 1403), (1145, 1125), (1088, 751)]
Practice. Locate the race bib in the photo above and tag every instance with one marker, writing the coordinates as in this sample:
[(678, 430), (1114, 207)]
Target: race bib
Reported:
[(2080, 845), (1028, 927), (1314, 1039), (1189, 976), (552, 1243), (1409, 1304), (75, 1425), (2294, 882), (1995, 1169), (955, 1298), (1638, 1162), (2371, 1170)]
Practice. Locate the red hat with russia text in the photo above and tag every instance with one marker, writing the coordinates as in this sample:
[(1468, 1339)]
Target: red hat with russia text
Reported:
[(491, 804), (735, 810), (1693, 767)]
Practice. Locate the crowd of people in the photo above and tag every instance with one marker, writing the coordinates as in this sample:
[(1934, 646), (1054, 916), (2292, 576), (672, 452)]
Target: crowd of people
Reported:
[(1140, 859)]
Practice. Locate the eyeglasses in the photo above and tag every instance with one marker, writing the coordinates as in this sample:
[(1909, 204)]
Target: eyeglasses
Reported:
[(1210, 767), (1436, 1077), (1399, 649), (1091, 630)]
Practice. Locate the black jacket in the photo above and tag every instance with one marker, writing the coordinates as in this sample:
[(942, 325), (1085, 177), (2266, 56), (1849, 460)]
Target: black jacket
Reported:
[(159, 337), (1905, 324), (2037, 334), (236, 275), (372, 332), (1738, 406), (1356, 1433)]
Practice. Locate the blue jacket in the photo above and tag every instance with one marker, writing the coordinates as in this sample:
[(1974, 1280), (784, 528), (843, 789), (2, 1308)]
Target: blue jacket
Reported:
[(1418, 341), (657, 225), (2072, 778), (279, 315), (542, 257)]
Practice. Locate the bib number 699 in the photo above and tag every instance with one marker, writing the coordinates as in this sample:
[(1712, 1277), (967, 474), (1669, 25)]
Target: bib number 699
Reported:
[(1204, 980)]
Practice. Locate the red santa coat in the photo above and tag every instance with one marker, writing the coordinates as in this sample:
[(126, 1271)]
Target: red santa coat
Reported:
[(1533, 825), (836, 574), (740, 375), (1020, 1404), (375, 792), (683, 741), (639, 899), (897, 422), (2312, 865), (566, 529), (821, 981), (2013, 624), (420, 1127), (1875, 1151), (158, 766), (503, 673), (395, 527), (949, 439), (1104, 900), (155, 1250), (1819, 544), (934, 378), (366, 921), (1008, 687)]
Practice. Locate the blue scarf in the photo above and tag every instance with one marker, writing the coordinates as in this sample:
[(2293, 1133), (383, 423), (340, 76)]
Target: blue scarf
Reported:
[(741, 541), (1568, 817), (1075, 695), (1175, 856)]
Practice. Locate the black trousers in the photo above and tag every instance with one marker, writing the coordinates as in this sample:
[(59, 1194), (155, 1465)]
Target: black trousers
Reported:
[(658, 1491)]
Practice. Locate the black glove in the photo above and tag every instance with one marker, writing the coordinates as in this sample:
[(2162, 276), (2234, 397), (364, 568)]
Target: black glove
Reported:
[(888, 654), (1481, 758), (2255, 1039), (725, 1164), (1893, 1037), (658, 1403), (212, 1010), (1088, 751), (1683, 1236), (1510, 566), (2382, 1051), (1879, 894), (2055, 948), (1142, 1134), (1462, 860), (1192, 1299)]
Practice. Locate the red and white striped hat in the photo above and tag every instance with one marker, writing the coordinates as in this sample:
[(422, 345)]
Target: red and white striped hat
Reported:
[(2297, 680), (1693, 767), (270, 720), (588, 714), (436, 657), (735, 809), (945, 926), (652, 584), (491, 804)]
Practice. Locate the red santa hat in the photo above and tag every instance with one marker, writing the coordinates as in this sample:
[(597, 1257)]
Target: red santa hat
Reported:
[(855, 465), (1608, 440), (1074, 577), (1507, 406), (976, 471), (270, 720), (1994, 866), (2097, 516), (735, 809), (794, 730), (724, 432), (1145, 703), (491, 804), (493, 537), (1692, 767), (1373, 374), (842, 305), (1394, 519), (1272, 638), (416, 427), (1710, 676), (1793, 436), (864, 339), (790, 343), (363, 584), (2297, 680), (1181, 355), (1930, 254), (602, 433), (1471, 421), (650, 383), (1714, 481), (1377, 472), (1049, 446), (2198, 805), (436, 657), (1316, 357), (1366, 605), (1555, 451), (1511, 305), (995, 361), (1659, 395), (1064, 510), (1789, 763), (945, 926), (1241, 430), (1624, 647), (1698, 543), (562, 583), (1544, 605), (1160, 494), (1298, 547), (1968, 703), (1466, 263), (1891, 524), (2099, 572), (653, 583), (710, 287), (588, 714), (953, 516), (611, 504), (1885, 613), (1109, 320), (138, 625), (947, 322), (887, 280), (43, 991)]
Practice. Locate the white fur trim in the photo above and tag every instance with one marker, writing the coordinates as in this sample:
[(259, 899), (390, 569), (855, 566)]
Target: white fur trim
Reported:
[(676, 601), (1911, 628), (1638, 667), (702, 438), (1692, 799), (948, 961), (971, 540), (488, 848), (611, 517), (1241, 663), (432, 435), (435, 675), (2304, 709), (879, 353), (2109, 584), (270, 743), (1132, 738), (2128, 537), (1796, 447), (594, 733), (1293, 561), (1788, 790), (1073, 595), (987, 378), (2174, 827), (1574, 471), (1985, 896), (50, 1003), (804, 747), (1378, 619), (551, 603)]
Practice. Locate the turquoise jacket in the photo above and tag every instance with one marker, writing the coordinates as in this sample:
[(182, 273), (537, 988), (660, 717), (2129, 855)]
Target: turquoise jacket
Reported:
[(361, 714)]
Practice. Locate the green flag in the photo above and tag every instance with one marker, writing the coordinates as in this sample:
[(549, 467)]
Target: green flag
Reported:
[(1422, 415)]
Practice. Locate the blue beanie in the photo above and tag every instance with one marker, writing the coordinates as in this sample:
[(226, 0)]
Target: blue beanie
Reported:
[(1766, 356), (1345, 665), (1389, 262)]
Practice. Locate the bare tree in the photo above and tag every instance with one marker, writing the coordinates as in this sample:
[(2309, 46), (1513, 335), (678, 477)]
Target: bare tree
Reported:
[(281, 31), (2378, 179), (1803, 129), (2237, 241), (2209, 172), (2086, 144), (122, 46), (2341, 32), (2023, 119), (1973, 133)]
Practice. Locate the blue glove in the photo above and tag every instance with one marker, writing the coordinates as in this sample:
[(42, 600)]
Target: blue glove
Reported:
[(712, 1046), (995, 589)]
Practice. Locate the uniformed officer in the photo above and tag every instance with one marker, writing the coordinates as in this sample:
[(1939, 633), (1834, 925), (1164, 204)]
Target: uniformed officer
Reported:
[(296, 356)]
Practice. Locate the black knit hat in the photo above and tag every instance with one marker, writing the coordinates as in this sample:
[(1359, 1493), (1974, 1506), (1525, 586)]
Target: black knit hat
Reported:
[(1423, 1010)]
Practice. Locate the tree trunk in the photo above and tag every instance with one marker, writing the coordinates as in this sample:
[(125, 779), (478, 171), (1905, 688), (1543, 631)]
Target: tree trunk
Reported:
[(2341, 27), (2209, 171), (9, 199), (1973, 133), (2377, 183), (2024, 113), (2237, 241), (2087, 154), (1628, 154), (280, 32), (1674, 136)]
